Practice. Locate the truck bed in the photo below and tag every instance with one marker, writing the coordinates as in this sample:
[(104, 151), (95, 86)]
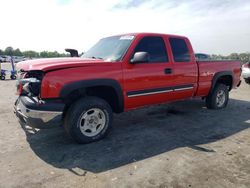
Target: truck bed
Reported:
[(208, 69)]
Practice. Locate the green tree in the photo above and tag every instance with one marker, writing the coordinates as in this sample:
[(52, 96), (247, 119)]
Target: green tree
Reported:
[(234, 56), (43, 54), (17, 52), (9, 51), (30, 54), (48, 54)]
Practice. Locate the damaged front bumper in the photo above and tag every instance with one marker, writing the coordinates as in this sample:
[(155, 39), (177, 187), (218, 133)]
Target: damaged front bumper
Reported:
[(39, 114)]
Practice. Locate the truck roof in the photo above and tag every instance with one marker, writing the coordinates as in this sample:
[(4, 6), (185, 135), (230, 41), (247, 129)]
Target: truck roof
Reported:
[(148, 33)]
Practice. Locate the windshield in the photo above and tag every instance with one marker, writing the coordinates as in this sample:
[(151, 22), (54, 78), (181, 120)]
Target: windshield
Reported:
[(110, 49)]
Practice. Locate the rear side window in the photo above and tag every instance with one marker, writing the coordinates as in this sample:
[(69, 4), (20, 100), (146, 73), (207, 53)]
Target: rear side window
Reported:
[(179, 50), (155, 47)]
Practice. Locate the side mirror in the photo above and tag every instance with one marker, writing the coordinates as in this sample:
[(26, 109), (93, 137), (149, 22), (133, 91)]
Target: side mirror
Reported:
[(140, 57)]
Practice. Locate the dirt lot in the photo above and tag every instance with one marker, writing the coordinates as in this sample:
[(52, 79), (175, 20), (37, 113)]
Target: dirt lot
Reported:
[(172, 145)]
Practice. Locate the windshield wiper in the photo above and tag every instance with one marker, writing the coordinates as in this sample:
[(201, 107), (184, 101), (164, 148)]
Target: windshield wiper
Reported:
[(93, 57)]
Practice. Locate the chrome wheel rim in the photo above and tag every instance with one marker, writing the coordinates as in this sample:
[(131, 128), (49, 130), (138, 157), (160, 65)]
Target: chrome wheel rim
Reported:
[(92, 122), (220, 98)]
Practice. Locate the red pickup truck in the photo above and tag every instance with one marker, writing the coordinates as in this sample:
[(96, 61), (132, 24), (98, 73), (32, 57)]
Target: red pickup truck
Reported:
[(118, 74)]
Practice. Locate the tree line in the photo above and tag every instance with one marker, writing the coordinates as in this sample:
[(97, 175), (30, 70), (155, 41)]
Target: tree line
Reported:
[(242, 57), (10, 51)]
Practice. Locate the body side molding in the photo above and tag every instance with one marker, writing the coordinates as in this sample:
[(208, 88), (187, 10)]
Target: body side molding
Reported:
[(159, 90)]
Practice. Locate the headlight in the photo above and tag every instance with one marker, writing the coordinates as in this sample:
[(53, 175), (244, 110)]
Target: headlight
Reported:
[(30, 83), (29, 86)]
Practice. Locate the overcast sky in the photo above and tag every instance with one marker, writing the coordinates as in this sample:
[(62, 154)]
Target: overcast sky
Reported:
[(213, 26)]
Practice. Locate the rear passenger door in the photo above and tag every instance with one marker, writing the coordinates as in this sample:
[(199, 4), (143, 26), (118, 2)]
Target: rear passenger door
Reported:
[(184, 66)]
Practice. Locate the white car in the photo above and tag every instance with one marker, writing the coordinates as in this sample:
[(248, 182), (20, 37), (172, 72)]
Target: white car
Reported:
[(7, 58), (246, 72), (3, 58), (18, 58)]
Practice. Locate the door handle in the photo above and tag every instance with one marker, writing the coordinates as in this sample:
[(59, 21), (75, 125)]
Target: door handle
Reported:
[(168, 71)]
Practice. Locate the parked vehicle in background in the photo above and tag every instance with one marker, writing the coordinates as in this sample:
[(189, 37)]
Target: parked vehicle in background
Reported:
[(202, 57), (118, 74), (18, 59), (3, 58), (246, 72), (7, 58)]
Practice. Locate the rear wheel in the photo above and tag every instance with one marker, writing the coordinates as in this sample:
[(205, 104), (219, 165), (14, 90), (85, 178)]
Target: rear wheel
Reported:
[(247, 80), (219, 97), (88, 119)]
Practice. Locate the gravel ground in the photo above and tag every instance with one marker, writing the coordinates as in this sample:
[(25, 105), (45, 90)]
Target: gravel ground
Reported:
[(172, 145)]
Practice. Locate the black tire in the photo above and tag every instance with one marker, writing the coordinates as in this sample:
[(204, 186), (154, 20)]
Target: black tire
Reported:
[(2, 77), (75, 113), (212, 100), (13, 77), (247, 80)]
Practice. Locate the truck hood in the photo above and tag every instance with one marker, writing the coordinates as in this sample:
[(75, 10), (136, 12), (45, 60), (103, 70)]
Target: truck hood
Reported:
[(49, 64)]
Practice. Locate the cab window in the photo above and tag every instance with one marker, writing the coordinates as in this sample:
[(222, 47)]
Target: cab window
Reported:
[(180, 50), (155, 47)]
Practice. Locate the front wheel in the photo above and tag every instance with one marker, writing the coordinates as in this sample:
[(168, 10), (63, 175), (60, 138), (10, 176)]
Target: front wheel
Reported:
[(2, 77), (88, 119), (219, 97)]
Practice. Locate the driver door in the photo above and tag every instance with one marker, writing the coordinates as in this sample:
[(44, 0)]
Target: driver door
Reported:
[(148, 82)]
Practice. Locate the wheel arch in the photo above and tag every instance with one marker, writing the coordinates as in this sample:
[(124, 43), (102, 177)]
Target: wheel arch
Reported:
[(108, 89), (225, 77)]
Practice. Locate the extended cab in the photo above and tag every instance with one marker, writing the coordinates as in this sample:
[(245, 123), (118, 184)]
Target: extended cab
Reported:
[(118, 74)]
